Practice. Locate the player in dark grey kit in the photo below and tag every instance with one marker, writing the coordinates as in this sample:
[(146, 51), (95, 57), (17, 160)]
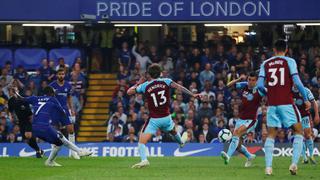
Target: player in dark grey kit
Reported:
[(24, 115)]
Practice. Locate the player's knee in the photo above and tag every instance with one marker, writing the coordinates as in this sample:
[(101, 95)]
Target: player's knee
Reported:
[(28, 135)]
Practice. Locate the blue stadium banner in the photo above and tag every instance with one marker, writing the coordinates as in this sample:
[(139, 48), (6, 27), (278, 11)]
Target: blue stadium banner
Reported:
[(153, 149), (161, 10), (119, 149)]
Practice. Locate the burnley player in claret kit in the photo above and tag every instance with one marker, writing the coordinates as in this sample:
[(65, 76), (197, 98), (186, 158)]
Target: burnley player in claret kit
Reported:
[(157, 93), (251, 98), (306, 122), (279, 74)]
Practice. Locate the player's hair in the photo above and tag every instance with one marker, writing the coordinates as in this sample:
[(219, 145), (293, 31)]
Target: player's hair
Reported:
[(60, 70), (253, 74), (154, 70), (49, 91), (280, 45)]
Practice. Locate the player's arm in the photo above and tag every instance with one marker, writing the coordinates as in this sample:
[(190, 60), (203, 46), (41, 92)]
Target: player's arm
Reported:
[(133, 89), (184, 90), (261, 79), (241, 78), (316, 112)]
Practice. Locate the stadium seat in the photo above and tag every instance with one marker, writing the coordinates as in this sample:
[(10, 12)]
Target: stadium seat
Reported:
[(30, 59), (5, 55), (69, 55)]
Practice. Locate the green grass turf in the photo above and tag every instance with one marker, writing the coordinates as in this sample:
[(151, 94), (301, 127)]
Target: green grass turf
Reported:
[(166, 168)]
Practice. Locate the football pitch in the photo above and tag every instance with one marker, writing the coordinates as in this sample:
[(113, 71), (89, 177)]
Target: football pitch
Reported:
[(165, 168)]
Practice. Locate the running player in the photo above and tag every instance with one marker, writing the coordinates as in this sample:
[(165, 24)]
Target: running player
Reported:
[(251, 98), (157, 93), (280, 73), (23, 113), (306, 124), (45, 107), (63, 93)]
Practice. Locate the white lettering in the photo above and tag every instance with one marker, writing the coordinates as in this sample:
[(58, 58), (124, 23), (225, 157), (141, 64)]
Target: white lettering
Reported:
[(193, 9), (245, 9), (101, 7), (265, 9), (177, 7), (105, 151), (234, 9), (210, 9), (165, 5), (224, 9), (114, 7), (146, 9), (124, 11), (131, 9), (121, 152)]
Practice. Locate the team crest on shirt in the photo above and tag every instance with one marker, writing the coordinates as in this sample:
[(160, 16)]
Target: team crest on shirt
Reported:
[(248, 95)]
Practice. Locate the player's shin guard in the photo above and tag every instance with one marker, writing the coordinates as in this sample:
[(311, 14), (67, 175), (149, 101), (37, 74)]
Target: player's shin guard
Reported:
[(297, 148), (33, 144), (142, 151), (233, 145), (54, 152), (268, 148), (245, 152), (309, 145), (68, 144)]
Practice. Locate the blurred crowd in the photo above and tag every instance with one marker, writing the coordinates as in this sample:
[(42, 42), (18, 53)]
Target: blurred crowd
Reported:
[(32, 83), (204, 70)]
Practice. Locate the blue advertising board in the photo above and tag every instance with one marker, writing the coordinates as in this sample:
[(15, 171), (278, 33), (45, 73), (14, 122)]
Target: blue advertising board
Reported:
[(161, 10), (119, 149)]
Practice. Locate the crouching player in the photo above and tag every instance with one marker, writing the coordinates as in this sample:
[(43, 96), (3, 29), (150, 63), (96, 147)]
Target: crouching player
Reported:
[(44, 108), (306, 124), (157, 93), (251, 98)]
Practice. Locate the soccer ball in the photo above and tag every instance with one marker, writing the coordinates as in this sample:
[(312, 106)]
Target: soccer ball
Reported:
[(225, 135)]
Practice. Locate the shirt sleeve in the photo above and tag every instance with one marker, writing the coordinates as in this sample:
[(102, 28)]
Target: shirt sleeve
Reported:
[(262, 72), (141, 88), (292, 67), (310, 95), (241, 85), (167, 81)]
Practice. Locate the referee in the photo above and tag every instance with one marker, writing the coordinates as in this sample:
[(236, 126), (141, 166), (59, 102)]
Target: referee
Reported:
[(24, 115)]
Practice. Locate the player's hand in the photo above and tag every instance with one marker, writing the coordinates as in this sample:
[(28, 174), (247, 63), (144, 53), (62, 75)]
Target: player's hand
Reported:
[(73, 113), (198, 96), (28, 135), (316, 119), (308, 105)]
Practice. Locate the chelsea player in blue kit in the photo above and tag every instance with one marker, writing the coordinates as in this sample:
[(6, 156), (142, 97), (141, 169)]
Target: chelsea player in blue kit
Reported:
[(63, 91), (44, 108)]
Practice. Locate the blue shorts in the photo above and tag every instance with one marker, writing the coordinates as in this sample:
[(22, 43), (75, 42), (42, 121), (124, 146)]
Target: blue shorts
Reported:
[(248, 123), (64, 121), (153, 124), (286, 115), (306, 122), (47, 133)]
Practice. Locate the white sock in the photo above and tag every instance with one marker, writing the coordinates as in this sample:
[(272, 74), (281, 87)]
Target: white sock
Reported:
[(54, 152), (69, 144), (72, 137)]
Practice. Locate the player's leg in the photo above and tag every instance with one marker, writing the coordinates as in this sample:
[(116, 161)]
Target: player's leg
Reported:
[(308, 144), (304, 154), (291, 118), (166, 124), (147, 131), (239, 131), (26, 131)]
